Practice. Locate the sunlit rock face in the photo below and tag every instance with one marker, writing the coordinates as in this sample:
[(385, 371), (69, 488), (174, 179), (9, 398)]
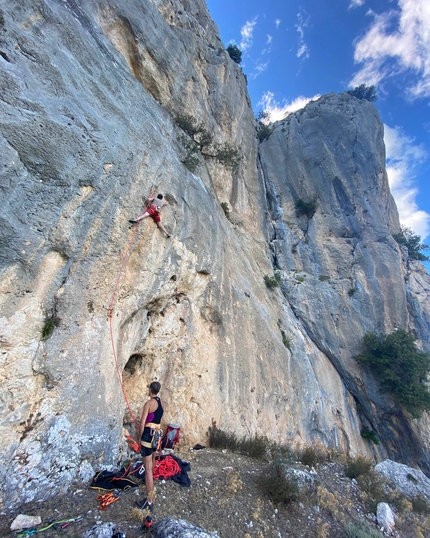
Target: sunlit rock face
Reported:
[(332, 220), (89, 91)]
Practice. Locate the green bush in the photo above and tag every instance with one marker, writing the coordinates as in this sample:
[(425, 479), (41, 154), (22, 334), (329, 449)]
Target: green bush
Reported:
[(357, 466), (48, 329), (191, 161), (202, 140), (226, 209), (352, 291), (361, 530), (412, 242), (272, 282), (311, 455), (376, 490), (194, 129), (263, 131), (306, 208), (277, 486), (226, 154), (364, 92), (286, 341), (370, 434), (400, 367), (324, 278), (235, 53), (420, 505), (412, 478), (257, 446)]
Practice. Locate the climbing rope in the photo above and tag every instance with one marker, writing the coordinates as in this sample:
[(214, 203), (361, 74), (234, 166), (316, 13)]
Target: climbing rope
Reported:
[(110, 315), (166, 468)]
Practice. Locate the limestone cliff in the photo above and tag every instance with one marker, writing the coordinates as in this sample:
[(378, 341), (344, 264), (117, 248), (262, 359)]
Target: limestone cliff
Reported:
[(88, 93)]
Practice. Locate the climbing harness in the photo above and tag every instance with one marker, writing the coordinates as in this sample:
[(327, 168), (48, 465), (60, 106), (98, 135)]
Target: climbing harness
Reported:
[(106, 499), (62, 524), (156, 436)]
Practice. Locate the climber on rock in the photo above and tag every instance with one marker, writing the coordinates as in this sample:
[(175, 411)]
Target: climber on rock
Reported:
[(153, 210)]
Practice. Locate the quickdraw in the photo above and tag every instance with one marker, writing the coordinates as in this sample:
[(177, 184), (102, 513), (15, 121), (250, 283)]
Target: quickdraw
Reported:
[(106, 499), (132, 444)]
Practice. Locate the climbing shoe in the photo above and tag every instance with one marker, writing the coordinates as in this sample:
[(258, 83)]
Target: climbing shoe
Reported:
[(167, 236), (145, 505), (133, 221)]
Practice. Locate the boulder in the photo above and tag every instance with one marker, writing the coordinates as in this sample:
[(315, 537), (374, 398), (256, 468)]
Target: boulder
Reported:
[(385, 517), (179, 528), (411, 482), (22, 521), (100, 530)]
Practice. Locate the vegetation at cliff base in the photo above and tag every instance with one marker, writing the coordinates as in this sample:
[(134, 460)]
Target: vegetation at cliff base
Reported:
[(364, 92), (401, 368), (235, 53), (412, 242), (278, 486)]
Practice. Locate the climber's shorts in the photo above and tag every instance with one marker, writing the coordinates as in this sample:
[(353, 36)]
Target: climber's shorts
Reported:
[(153, 213)]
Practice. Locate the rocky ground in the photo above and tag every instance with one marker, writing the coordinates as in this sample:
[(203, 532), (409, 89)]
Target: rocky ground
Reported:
[(225, 497)]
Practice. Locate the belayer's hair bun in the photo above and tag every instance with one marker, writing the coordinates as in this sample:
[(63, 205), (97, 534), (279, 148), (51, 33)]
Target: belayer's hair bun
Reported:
[(155, 387)]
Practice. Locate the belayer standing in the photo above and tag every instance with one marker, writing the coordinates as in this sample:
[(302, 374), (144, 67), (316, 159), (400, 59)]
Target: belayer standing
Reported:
[(153, 211), (149, 423)]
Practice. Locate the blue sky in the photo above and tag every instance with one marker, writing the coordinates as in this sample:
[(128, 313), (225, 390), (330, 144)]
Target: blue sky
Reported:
[(296, 50)]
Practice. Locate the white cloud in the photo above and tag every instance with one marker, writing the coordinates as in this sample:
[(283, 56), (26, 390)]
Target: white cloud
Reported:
[(403, 157), (269, 39), (276, 111), (259, 68), (246, 34), (302, 49), (397, 41), (355, 3), (277, 23)]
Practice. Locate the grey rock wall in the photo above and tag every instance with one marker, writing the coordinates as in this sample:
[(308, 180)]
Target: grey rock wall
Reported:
[(343, 274), (88, 91)]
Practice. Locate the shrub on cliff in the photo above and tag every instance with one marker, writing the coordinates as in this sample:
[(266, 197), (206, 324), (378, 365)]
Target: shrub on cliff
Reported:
[(306, 208), (400, 367), (235, 53), (364, 92), (412, 242), (202, 140)]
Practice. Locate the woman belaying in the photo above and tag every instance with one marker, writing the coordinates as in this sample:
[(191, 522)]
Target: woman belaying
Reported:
[(150, 425), (153, 211)]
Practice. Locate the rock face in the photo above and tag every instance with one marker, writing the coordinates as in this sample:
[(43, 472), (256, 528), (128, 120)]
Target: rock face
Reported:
[(411, 482), (89, 91)]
